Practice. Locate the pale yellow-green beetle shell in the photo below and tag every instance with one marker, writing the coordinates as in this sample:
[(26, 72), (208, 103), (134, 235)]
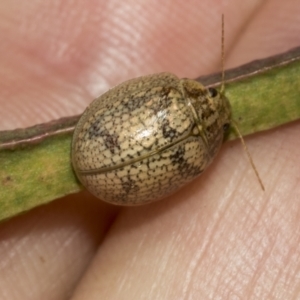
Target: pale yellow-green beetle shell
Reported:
[(147, 137)]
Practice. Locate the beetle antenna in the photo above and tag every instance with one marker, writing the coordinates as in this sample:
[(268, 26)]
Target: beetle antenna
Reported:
[(248, 154), (222, 90)]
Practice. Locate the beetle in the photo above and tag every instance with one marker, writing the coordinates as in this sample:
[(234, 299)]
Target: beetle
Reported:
[(147, 137)]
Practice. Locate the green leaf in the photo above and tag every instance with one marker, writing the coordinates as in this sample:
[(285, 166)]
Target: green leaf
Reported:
[(35, 163)]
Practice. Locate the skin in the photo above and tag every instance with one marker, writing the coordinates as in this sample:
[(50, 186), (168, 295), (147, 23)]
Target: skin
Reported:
[(221, 237)]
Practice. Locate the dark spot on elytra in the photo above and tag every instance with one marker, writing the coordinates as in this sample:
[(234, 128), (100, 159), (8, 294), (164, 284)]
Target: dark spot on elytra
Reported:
[(110, 140), (163, 102), (186, 169), (134, 102), (167, 130), (129, 186), (178, 157)]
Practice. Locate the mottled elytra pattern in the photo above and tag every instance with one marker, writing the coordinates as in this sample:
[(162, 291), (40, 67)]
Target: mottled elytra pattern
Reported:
[(147, 137)]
